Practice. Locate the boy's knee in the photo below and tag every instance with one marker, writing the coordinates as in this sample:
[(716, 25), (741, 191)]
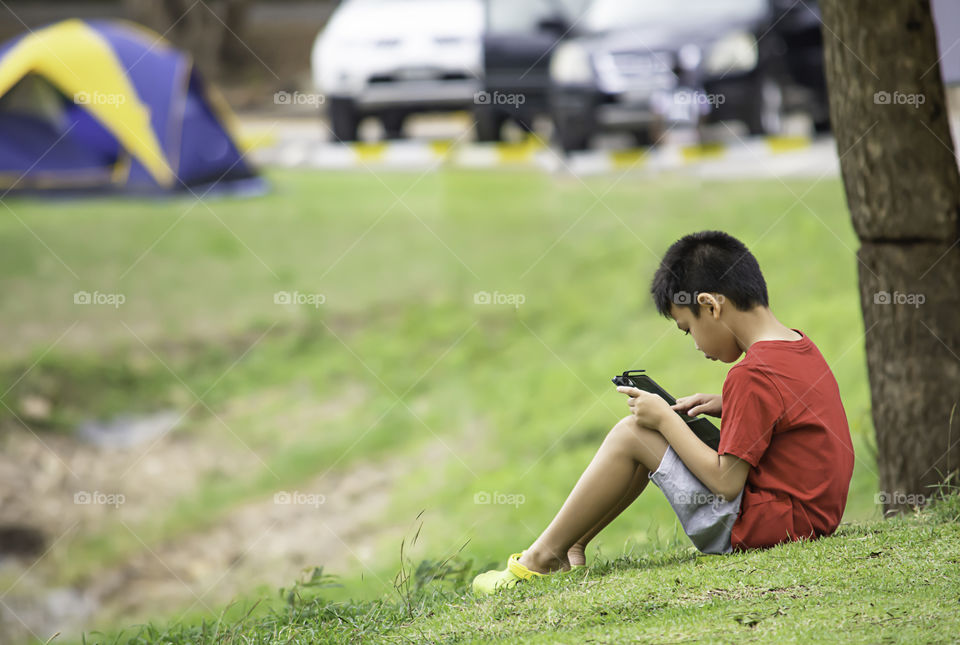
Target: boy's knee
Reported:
[(630, 425), (626, 430), (644, 444)]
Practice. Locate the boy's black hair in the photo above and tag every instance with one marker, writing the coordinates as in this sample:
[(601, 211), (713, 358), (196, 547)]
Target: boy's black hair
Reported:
[(708, 261)]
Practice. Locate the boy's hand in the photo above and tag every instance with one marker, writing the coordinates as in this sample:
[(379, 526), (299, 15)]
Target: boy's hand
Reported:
[(648, 409), (698, 404)]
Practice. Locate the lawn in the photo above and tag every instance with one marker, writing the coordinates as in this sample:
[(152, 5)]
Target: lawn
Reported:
[(503, 402), (889, 581)]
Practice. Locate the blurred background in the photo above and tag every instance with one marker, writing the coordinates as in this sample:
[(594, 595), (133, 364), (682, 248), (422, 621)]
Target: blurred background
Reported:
[(286, 282)]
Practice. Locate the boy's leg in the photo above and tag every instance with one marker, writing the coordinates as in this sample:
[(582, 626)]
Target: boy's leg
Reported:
[(601, 493), (576, 553)]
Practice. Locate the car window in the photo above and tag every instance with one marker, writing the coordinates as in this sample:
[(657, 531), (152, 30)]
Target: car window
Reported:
[(603, 15), (525, 15)]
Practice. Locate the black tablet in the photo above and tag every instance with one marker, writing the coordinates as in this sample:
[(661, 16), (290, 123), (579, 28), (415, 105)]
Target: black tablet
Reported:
[(702, 427)]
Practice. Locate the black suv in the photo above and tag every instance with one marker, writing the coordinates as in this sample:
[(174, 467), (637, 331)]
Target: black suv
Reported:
[(519, 37), (639, 66)]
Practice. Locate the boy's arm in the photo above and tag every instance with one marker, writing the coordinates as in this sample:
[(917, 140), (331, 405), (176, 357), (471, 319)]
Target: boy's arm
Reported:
[(724, 475)]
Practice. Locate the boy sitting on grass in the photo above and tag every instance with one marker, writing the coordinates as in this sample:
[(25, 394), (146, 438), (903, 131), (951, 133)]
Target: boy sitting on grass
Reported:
[(784, 462)]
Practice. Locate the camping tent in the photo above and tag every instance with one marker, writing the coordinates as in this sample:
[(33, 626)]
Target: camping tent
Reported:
[(110, 105)]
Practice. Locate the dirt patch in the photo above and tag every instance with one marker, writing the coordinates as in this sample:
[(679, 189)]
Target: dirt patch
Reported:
[(337, 520), (56, 488), (334, 520)]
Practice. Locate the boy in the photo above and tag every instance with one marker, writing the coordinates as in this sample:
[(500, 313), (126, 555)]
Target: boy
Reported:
[(783, 466)]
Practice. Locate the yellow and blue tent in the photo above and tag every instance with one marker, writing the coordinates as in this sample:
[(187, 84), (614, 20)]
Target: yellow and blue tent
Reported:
[(110, 105)]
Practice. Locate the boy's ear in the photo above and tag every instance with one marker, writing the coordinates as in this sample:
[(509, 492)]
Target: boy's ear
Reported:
[(712, 301)]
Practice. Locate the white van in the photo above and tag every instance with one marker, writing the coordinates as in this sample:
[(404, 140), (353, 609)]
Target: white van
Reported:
[(393, 58)]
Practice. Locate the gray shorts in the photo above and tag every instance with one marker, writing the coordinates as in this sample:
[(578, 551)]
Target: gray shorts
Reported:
[(706, 519)]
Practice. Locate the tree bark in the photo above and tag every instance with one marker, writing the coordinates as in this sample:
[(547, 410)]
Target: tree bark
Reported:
[(233, 51), (211, 31), (889, 113)]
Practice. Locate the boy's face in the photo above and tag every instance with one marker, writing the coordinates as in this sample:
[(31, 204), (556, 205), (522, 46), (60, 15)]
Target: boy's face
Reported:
[(711, 334)]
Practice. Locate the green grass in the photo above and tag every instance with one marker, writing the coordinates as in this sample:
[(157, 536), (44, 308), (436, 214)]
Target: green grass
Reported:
[(520, 396), (889, 581)]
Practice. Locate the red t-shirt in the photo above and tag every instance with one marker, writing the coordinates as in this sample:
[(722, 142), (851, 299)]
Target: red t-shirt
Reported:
[(782, 413)]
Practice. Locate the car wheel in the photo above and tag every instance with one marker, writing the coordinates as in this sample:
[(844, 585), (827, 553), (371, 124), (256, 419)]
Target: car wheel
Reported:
[(525, 123), (766, 115), (489, 124), (393, 124), (572, 138), (820, 113), (643, 137), (344, 119)]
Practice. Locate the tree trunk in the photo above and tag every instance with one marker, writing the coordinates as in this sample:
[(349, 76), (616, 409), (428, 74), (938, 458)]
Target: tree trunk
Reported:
[(899, 169), (233, 50), (211, 31)]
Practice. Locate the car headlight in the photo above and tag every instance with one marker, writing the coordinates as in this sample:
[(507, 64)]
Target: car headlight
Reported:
[(734, 53), (570, 65)]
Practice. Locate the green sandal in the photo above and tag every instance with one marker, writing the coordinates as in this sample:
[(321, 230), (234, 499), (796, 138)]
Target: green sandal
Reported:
[(492, 581)]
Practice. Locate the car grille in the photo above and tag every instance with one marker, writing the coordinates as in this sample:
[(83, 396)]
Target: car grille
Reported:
[(638, 69), (424, 76)]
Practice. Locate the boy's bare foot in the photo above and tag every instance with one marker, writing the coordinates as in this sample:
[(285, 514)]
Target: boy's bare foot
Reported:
[(576, 556), (543, 562)]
